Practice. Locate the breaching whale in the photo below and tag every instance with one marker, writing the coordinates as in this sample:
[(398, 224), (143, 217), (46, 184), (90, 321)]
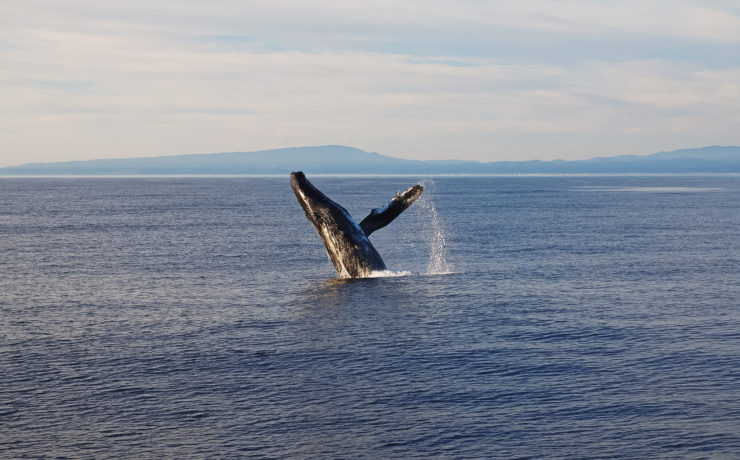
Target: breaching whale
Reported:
[(346, 241)]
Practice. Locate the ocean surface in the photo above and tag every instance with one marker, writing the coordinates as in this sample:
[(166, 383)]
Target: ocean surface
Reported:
[(521, 317)]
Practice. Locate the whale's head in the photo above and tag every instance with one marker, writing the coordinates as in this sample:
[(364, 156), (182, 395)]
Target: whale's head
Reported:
[(310, 198)]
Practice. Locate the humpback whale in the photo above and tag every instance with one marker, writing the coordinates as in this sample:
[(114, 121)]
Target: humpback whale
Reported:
[(346, 241)]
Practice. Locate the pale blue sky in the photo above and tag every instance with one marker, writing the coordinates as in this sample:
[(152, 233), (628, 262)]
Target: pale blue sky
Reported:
[(474, 79)]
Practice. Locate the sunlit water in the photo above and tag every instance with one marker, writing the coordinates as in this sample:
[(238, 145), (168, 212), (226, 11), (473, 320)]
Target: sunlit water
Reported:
[(545, 317)]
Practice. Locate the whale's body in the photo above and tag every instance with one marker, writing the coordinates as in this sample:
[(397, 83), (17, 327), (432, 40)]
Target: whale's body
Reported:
[(346, 241)]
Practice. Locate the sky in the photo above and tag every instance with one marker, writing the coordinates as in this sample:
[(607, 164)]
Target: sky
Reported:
[(483, 80)]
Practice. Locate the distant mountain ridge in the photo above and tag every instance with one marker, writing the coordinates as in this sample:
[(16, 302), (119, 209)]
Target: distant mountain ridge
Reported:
[(337, 159)]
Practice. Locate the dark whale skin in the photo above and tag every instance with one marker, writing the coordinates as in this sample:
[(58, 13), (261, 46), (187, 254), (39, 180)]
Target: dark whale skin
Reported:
[(346, 241)]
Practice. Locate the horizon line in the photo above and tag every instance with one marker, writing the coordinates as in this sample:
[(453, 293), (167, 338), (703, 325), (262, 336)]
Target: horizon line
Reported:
[(355, 148)]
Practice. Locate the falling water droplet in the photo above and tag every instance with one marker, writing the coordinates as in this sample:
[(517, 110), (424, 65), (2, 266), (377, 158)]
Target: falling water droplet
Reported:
[(436, 236)]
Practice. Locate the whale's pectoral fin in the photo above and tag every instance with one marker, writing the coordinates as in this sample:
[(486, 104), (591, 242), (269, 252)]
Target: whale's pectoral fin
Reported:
[(380, 217)]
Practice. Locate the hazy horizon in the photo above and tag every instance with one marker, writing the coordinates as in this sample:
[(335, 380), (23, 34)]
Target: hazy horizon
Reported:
[(470, 80), (144, 157), (337, 159)]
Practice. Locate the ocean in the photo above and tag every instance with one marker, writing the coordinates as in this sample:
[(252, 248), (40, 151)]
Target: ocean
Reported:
[(521, 317)]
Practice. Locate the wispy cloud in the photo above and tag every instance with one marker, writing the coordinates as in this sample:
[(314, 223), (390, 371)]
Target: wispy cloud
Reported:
[(435, 79)]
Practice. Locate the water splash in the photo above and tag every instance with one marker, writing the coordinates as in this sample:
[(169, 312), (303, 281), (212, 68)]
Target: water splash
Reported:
[(436, 236), (387, 274)]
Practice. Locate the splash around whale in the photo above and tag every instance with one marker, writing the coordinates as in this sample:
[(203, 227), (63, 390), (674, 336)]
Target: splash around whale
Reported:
[(347, 243)]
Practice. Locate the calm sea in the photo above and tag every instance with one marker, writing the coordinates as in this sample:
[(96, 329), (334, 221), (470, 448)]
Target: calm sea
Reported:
[(546, 317)]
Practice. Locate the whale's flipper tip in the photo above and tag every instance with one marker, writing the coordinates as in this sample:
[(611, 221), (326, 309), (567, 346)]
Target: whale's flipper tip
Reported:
[(413, 192)]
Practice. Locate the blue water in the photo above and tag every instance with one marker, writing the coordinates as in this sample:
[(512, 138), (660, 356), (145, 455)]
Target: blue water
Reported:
[(576, 317)]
